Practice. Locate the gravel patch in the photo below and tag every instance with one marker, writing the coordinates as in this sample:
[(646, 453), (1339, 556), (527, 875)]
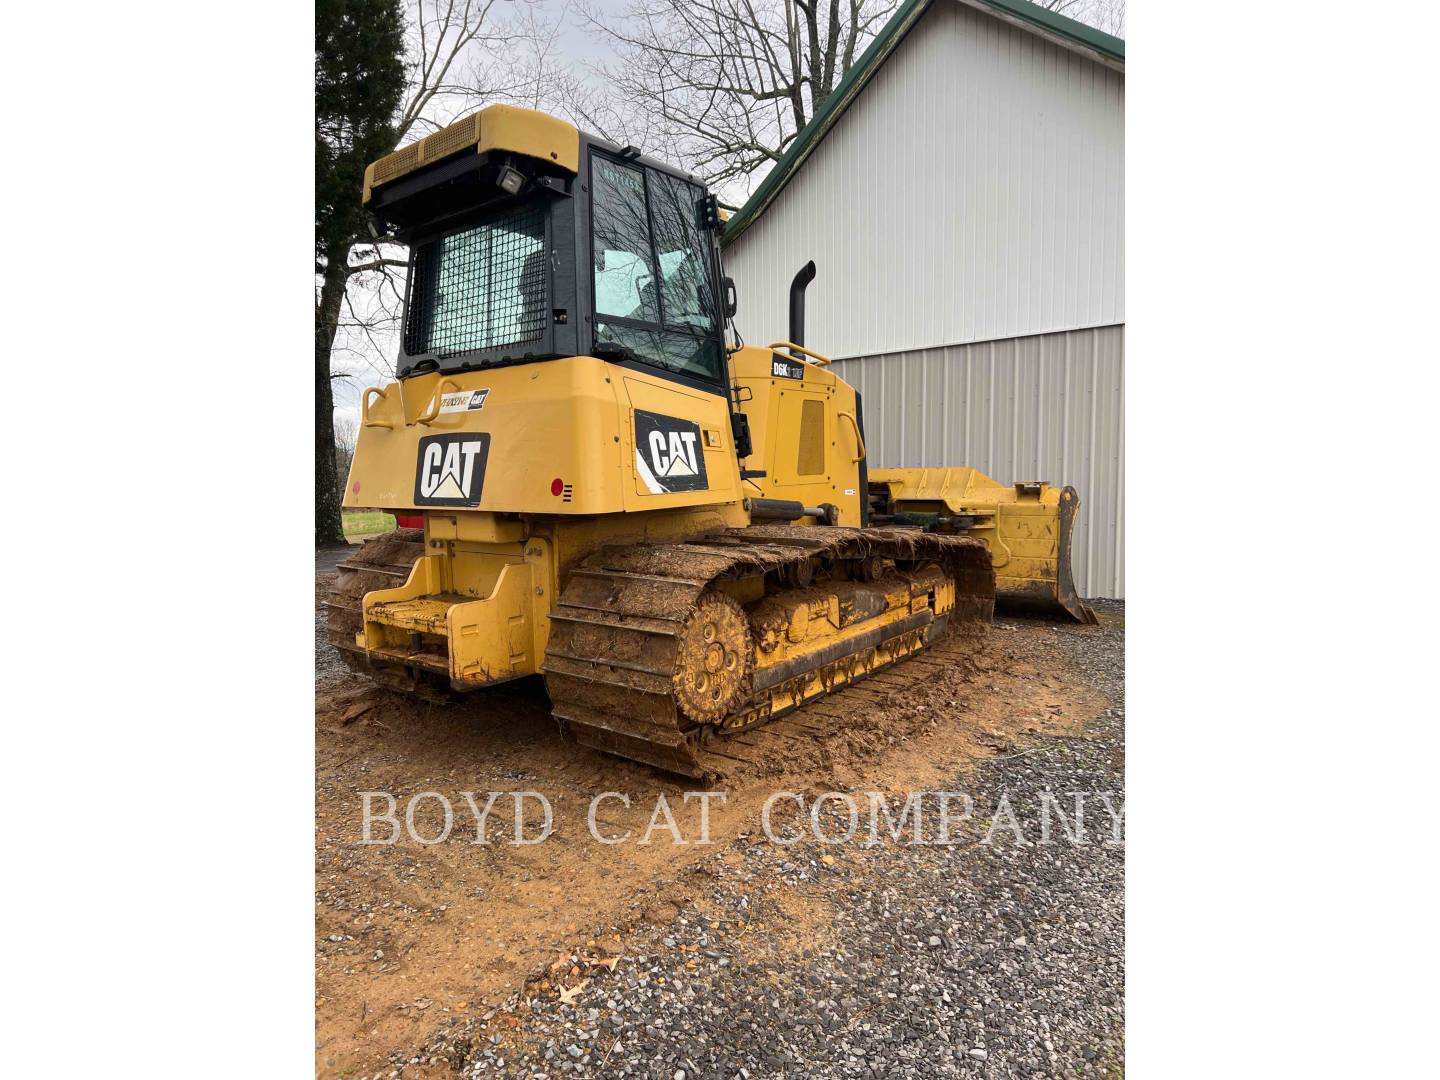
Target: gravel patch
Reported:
[(999, 957)]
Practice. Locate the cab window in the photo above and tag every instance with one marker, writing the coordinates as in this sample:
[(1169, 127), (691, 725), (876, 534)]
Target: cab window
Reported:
[(654, 300), (624, 266), (684, 283), (481, 287)]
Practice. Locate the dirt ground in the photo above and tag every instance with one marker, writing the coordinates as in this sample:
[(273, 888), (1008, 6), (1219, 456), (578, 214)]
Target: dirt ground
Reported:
[(411, 936)]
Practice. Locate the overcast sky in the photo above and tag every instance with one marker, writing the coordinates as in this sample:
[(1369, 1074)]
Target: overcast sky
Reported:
[(578, 43)]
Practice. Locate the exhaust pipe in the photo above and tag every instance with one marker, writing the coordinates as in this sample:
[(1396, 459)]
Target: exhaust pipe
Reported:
[(797, 302)]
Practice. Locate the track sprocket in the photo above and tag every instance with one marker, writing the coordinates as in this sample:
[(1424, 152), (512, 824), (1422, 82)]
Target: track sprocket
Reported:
[(713, 659)]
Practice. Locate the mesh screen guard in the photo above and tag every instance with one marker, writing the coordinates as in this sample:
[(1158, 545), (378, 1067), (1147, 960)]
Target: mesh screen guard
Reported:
[(479, 288)]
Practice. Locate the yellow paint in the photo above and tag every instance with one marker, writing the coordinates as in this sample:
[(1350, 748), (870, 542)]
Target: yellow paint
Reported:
[(817, 622), (817, 359), (570, 420), (776, 408), (1019, 523), (477, 606), (480, 599), (506, 128)]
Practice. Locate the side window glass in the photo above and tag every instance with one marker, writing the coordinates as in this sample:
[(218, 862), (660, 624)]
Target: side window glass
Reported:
[(625, 284), (685, 285)]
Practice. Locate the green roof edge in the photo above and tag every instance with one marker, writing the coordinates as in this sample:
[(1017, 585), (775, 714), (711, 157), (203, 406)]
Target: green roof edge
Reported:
[(885, 42)]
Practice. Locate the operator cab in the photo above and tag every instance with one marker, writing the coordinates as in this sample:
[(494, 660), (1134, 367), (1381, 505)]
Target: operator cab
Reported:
[(518, 257)]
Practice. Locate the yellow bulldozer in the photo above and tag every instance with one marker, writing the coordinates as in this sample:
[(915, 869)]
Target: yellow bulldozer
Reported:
[(681, 535)]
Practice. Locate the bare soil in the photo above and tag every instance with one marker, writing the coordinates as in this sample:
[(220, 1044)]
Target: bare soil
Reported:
[(411, 936)]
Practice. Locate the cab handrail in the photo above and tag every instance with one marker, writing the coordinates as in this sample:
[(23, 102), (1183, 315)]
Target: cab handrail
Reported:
[(859, 438), (380, 395), (818, 360), (428, 416)]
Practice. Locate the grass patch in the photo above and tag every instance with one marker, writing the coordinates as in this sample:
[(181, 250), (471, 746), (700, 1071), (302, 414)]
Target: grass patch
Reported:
[(359, 523)]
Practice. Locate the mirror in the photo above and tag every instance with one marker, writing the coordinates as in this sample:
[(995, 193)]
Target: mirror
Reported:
[(731, 297)]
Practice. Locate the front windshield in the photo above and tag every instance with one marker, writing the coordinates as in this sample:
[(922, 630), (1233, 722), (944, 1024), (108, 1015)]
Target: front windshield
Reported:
[(481, 287)]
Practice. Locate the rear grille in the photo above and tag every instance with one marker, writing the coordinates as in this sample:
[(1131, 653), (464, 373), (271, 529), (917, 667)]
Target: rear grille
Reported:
[(447, 140), (392, 165), (432, 148), (481, 288)]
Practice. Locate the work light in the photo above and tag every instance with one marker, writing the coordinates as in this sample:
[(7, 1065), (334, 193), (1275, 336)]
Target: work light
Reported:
[(511, 180)]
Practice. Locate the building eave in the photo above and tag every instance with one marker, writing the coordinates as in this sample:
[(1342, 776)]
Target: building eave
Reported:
[(1067, 33)]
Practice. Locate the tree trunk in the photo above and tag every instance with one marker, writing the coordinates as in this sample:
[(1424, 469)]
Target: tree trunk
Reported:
[(328, 529)]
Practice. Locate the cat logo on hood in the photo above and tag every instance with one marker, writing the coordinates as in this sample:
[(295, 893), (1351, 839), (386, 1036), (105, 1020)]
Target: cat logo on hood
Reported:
[(668, 453)]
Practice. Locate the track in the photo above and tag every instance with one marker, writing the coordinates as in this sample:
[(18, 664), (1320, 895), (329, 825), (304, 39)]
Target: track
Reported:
[(614, 663), (756, 749), (381, 563)]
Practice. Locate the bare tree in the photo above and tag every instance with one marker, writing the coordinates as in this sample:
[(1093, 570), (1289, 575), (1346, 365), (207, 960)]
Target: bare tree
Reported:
[(720, 86), (452, 68), (1106, 15), (462, 55), (346, 431), (724, 86)]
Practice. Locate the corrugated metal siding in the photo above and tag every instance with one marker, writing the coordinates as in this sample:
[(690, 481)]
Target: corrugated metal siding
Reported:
[(974, 190), (1048, 407)]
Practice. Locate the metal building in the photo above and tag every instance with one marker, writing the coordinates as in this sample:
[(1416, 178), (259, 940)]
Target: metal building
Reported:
[(962, 195)]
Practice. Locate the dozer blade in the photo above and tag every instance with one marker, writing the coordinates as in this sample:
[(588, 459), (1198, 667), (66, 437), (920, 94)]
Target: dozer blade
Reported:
[(1056, 597), (1028, 527), (651, 656), (1065, 593)]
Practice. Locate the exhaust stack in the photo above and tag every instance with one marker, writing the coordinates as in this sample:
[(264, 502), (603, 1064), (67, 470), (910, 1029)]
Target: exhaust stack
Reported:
[(797, 302)]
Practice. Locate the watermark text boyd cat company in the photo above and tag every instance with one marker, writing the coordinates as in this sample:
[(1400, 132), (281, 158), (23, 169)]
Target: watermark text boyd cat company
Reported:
[(869, 818)]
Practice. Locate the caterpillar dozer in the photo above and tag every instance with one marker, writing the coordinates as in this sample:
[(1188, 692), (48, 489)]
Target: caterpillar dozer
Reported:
[(678, 534)]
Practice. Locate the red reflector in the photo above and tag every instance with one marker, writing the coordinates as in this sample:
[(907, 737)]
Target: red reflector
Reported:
[(410, 521), (557, 486)]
